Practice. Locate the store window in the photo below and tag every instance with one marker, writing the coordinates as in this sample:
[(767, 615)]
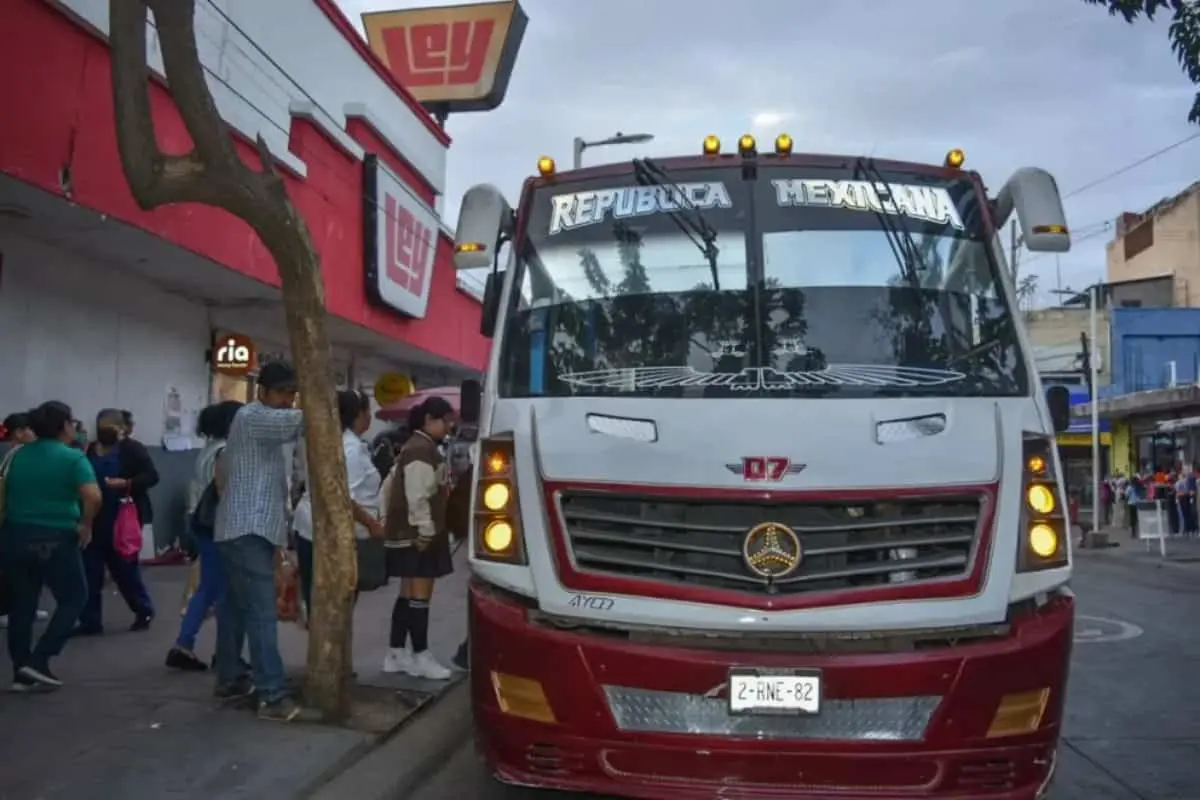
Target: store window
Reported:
[(228, 387), (1160, 452)]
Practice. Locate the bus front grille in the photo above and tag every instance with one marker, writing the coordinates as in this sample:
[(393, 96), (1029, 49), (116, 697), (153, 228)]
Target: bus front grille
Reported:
[(699, 542)]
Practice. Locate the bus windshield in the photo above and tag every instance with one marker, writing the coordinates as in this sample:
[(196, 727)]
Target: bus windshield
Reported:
[(823, 284)]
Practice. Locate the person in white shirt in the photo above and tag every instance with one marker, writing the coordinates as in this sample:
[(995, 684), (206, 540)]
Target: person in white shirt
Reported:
[(354, 413)]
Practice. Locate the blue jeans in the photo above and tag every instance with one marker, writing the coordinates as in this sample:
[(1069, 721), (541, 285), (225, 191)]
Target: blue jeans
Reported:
[(47, 559), (208, 592), (247, 611), (101, 555)]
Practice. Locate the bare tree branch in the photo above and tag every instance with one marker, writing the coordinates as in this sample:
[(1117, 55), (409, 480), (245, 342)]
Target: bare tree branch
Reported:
[(154, 178), (212, 173)]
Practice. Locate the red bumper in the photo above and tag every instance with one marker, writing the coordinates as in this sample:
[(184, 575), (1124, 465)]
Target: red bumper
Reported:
[(944, 698)]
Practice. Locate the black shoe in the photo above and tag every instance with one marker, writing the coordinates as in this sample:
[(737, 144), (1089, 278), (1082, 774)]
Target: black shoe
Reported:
[(142, 622), (41, 675), (238, 690), (88, 630), (24, 685), (185, 660)]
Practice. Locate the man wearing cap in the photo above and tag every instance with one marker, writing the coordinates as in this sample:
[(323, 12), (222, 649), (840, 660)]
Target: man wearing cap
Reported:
[(251, 524)]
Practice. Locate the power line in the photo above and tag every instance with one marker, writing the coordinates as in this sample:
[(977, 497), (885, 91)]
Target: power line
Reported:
[(1106, 225), (1131, 166)]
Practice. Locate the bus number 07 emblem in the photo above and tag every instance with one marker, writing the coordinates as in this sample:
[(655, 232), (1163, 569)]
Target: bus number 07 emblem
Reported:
[(765, 469)]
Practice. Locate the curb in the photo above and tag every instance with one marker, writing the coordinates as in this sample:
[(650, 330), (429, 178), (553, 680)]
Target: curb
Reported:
[(1148, 559), (401, 763)]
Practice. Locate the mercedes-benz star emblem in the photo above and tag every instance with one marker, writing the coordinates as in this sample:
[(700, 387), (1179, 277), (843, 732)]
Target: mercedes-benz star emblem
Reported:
[(772, 550)]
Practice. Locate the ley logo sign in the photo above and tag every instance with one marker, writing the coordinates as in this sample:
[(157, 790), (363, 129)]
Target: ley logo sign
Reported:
[(409, 246), (400, 241), (453, 58)]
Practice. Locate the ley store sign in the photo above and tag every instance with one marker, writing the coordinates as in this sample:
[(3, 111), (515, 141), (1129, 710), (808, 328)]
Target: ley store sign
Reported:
[(400, 241)]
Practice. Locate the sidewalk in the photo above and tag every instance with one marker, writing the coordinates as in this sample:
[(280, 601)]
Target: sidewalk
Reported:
[(1181, 551), (126, 726)]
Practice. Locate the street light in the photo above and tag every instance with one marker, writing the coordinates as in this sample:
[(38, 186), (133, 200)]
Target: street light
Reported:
[(1093, 378), (618, 138)]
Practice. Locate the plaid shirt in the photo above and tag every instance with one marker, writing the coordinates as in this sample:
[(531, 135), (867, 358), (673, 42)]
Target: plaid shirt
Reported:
[(255, 497)]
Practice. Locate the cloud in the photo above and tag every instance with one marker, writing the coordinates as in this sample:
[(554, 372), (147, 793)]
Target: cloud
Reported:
[(1024, 82)]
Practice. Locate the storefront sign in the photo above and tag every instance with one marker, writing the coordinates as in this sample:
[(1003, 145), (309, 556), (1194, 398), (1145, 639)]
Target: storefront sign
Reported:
[(452, 58), (400, 241), (233, 355), (1081, 397), (392, 387), (1083, 439)]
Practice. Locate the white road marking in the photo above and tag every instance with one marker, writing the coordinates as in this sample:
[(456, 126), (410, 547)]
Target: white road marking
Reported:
[(1104, 629)]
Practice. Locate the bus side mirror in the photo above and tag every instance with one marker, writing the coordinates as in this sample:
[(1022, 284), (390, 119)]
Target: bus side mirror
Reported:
[(1033, 194), (1058, 401), (491, 303), (485, 217)]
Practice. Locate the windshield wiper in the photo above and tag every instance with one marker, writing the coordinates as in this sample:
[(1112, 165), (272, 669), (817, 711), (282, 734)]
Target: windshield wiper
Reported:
[(687, 217), (900, 239)]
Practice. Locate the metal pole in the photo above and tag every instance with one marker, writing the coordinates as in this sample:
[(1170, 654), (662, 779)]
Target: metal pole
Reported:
[(1094, 296), (1013, 249), (579, 145)]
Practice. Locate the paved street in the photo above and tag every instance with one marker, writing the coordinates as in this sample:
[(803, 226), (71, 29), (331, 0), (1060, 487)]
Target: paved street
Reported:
[(1132, 732)]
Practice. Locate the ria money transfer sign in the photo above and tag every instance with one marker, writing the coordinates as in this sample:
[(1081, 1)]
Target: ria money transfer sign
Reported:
[(452, 58)]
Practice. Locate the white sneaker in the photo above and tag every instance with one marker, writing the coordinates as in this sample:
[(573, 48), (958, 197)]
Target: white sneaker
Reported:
[(42, 616), (397, 659), (424, 665)]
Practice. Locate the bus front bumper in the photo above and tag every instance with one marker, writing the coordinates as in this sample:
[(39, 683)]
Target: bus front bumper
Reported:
[(596, 713)]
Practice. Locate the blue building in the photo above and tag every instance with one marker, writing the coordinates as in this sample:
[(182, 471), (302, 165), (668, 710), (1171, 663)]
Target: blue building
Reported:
[(1154, 348), (1155, 391)]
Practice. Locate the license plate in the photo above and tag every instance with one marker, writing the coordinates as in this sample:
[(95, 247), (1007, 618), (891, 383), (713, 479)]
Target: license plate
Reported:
[(775, 692)]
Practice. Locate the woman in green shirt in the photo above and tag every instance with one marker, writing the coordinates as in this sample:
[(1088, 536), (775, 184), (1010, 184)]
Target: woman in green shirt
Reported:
[(50, 500)]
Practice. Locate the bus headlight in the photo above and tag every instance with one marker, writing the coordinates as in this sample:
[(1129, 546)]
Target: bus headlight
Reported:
[(1041, 499), (496, 496), (497, 519), (498, 537), (1043, 540)]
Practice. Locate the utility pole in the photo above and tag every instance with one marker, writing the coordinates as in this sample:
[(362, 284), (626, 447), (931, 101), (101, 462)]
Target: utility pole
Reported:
[(1093, 381), (1014, 248), (1085, 361)]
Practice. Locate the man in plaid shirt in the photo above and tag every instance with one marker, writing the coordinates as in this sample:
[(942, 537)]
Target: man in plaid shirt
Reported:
[(251, 523)]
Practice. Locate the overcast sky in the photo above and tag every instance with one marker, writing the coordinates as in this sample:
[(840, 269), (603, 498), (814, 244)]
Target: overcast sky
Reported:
[(1050, 83)]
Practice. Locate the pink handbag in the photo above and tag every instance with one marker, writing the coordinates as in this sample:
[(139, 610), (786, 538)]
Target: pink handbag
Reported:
[(127, 530)]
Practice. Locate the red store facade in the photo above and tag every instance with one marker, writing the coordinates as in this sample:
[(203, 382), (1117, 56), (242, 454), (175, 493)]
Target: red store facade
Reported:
[(105, 305)]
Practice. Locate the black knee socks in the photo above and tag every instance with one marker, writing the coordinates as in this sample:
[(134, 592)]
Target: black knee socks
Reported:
[(418, 624), (399, 636)]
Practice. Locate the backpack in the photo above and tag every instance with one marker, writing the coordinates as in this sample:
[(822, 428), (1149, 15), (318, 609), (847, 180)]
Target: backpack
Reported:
[(5, 465), (204, 518)]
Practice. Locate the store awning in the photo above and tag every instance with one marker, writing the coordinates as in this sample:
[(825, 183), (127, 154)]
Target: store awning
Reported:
[(1153, 401)]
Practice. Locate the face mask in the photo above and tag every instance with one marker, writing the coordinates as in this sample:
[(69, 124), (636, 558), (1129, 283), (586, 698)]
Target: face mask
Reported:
[(107, 436)]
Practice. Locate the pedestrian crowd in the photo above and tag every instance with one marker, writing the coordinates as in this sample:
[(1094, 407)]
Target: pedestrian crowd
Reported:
[(1173, 490), (71, 511)]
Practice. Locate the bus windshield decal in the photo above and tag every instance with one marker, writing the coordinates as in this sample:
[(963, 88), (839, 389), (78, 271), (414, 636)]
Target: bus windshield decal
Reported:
[(925, 203), (757, 379), (580, 209)]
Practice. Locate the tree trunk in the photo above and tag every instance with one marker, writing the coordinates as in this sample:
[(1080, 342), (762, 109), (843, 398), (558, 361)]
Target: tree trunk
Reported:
[(335, 563), (214, 174)]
